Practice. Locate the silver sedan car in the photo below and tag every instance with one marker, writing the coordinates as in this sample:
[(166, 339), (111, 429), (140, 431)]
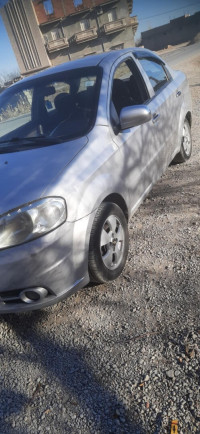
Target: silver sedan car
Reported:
[(81, 146)]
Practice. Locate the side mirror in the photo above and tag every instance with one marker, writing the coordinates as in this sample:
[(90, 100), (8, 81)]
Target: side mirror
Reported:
[(134, 115)]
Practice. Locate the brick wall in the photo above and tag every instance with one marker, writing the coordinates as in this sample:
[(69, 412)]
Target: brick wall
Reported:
[(40, 11), (86, 4), (62, 8)]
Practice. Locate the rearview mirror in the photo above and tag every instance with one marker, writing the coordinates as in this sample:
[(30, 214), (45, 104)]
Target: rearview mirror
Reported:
[(134, 115), (49, 90)]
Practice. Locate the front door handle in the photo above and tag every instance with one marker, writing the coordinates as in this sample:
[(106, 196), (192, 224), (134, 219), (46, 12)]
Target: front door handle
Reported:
[(155, 118)]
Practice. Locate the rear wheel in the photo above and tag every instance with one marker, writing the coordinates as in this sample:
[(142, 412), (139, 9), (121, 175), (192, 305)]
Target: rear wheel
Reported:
[(186, 144), (108, 243)]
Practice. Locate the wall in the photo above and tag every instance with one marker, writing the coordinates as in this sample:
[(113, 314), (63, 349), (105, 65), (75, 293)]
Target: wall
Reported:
[(64, 8), (34, 27), (182, 29), (25, 36), (70, 25)]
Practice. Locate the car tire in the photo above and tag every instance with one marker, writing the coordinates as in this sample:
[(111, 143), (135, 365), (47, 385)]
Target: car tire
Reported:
[(186, 145), (109, 243)]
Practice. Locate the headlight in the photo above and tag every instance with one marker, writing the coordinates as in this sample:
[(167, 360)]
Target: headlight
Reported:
[(31, 221)]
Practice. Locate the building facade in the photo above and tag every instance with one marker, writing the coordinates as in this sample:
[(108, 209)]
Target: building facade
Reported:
[(177, 31), (25, 36), (50, 32)]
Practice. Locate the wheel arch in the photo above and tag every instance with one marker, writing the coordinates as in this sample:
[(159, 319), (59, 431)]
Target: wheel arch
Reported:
[(115, 198), (107, 258), (189, 117), (184, 114), (118, 200)]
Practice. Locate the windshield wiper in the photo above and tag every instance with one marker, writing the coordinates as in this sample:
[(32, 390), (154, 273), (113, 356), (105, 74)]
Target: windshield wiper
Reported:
[(33, 139)]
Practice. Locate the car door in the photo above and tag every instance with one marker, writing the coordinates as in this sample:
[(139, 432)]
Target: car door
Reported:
[(163, 105), (139, 146)]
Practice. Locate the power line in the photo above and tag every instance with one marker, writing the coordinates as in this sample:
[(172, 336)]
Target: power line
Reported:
[(166, 12)]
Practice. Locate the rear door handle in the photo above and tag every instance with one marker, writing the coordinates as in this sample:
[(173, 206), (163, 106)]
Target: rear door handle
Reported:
[(178, 93), (155, 118)]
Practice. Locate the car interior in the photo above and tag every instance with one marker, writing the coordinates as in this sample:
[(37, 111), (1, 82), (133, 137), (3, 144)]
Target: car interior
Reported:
[(60, 109), (65, 110)]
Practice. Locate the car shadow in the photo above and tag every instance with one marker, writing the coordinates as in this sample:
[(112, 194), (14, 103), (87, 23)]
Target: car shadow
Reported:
[(69, 366), (11, 404)]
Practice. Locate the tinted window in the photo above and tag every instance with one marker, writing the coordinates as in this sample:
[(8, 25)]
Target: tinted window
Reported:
[(155, 72), (59, 106)]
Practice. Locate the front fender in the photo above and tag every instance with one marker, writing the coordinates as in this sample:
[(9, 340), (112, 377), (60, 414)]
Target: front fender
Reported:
[(95, 172), (96, 192)]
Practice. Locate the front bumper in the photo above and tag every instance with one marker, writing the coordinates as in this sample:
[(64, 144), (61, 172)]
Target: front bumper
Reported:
[(57, 262)]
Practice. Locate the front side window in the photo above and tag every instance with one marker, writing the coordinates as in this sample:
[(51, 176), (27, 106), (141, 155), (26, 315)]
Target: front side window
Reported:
[(128, 88), (155, 71), (50, 109)]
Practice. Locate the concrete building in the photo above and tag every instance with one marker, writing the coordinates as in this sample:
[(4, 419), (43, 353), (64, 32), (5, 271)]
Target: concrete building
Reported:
[(177, 31), (49, 32), (25, 36)]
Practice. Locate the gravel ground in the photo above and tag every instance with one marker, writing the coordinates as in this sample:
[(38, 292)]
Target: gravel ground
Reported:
[(123, 357)]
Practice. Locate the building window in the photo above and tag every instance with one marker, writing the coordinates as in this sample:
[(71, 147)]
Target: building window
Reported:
[(56, 34), (48, 7), (112, 15), (85, 25), (77, 3)]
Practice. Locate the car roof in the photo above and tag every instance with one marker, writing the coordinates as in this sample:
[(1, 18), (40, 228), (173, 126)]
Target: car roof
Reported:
[(89, 61), (84, 62)]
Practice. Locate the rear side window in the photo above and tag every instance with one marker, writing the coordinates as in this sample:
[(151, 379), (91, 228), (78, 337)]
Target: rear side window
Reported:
[(155, 72)]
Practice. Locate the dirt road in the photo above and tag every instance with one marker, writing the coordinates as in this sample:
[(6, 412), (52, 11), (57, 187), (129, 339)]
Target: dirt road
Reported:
[(180, 53)]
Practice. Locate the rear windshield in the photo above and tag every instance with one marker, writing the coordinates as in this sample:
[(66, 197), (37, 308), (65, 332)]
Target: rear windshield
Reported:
[(49, 110)]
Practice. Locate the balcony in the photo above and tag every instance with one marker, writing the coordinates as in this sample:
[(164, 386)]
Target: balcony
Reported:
[(85, 35), (57, 44), (118, 25)]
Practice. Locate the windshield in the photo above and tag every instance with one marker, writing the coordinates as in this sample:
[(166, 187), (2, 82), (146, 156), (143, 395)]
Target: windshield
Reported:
[(49, 110)]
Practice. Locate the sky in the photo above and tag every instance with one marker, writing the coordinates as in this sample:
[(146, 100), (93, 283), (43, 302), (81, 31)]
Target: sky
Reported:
[(150, 13)]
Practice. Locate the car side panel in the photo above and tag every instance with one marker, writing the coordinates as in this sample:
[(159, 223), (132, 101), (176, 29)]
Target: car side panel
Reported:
[(164, 110), (184, 105), (95, 173)]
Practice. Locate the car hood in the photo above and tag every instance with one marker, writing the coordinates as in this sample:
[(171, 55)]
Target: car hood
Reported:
[(25, 175)]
